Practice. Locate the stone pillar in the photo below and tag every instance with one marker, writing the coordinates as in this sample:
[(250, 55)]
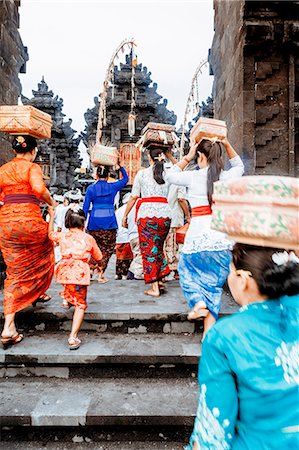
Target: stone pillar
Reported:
[(256, 77), (13, 57)]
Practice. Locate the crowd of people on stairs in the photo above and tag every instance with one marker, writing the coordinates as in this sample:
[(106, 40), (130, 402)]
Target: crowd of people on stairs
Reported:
[(249, 369)]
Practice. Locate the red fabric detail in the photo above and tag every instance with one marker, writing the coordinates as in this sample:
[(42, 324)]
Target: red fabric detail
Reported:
[(181, 233), (201, 211), (124, 251)]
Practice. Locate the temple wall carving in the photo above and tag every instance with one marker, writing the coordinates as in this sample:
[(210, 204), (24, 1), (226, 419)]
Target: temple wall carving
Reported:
[(256, 82), (13, 58)]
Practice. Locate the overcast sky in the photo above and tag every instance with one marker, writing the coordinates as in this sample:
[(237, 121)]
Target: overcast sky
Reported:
[(70, 42)]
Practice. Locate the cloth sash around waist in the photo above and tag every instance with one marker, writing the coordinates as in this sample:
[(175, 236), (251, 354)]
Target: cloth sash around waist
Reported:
[(201, 211), (148, 200), (102, 210), (21, 198)]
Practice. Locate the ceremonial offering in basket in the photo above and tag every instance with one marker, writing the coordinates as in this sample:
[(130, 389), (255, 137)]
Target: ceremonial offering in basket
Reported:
[(104, 156), (258, 210), (159, 134), (206, 128), (25, 120)]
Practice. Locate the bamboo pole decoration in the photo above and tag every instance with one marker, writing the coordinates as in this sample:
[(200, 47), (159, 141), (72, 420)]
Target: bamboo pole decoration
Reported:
[(190, 99), (130, 43)]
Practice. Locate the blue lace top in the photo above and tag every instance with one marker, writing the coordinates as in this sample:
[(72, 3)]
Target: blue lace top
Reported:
[(101, 197)]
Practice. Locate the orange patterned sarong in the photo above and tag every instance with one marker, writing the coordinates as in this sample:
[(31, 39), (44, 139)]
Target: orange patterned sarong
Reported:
[(28, 254), (75, 295), (124, 251)]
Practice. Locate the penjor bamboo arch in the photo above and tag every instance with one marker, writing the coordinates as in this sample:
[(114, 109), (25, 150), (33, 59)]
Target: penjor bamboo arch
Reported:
[(192, 93), (130, 43)]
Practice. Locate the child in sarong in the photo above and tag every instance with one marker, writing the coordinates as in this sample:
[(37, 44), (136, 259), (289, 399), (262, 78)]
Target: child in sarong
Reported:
[(73, 270)]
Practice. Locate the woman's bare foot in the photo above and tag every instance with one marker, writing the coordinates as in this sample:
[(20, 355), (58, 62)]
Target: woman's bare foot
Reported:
[(152, 293), (199, 311), (103, 280)]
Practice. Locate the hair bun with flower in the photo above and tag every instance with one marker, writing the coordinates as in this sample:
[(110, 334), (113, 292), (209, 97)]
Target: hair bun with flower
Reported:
[(160, 157), (21, 141), (282, 258)]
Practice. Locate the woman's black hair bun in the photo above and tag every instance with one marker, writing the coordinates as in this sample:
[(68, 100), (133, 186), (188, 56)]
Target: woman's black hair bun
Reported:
[(275, 271), (103, 171), (24, 143)]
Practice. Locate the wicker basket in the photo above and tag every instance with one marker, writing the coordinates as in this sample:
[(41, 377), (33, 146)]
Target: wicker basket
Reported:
[(25, 120), (159, 134), (104, 156), (206, 128), (258, 210)]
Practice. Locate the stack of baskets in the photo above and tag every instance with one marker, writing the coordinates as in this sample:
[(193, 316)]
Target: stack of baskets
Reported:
[(26, 120), (206, 128), (161, 135), (258, 210)]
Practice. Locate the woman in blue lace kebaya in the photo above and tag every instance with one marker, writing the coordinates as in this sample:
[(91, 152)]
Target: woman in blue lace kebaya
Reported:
[(102, 223), (249, 370)]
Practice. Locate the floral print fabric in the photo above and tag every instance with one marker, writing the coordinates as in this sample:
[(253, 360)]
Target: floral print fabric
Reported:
[(248, 379), (152, 234), (75, 295), (202, 276), (106, 240), (76, 247)]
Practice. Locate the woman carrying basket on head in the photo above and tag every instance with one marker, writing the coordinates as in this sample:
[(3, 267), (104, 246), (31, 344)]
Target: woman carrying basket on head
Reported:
[(26, 248), (205, 257), (153, 217), (102, 223)]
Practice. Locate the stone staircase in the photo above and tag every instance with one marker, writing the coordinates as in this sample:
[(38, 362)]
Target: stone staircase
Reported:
[(131, 385)]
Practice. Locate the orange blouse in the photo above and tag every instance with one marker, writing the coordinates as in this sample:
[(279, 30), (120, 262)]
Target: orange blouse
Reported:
[(20, 176), (76, 247)]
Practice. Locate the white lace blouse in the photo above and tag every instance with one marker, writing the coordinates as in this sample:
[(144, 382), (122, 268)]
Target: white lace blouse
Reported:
[(200, 236), (145, 186)]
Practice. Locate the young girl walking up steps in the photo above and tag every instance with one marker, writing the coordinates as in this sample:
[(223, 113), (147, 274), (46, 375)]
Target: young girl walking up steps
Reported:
[(73, 270)]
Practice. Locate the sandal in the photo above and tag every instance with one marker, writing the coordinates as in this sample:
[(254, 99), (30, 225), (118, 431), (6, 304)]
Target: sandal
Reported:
[(74, 343), (103, 280), (11, 340), (162, 288), (65, 305), (44, 298)]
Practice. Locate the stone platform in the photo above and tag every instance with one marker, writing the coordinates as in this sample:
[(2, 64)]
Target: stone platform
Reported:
[(133, 380)]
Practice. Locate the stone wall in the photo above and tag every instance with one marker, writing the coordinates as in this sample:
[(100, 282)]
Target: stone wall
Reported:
[(13, 57), (254, 61)]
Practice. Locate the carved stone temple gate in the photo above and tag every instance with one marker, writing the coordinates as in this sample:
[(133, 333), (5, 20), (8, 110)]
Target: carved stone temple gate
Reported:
[(148, 109)]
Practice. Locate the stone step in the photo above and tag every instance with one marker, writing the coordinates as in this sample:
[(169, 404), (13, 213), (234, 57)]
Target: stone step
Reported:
[(120, 307), (154, 354), (82, 444), (139, 403)]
